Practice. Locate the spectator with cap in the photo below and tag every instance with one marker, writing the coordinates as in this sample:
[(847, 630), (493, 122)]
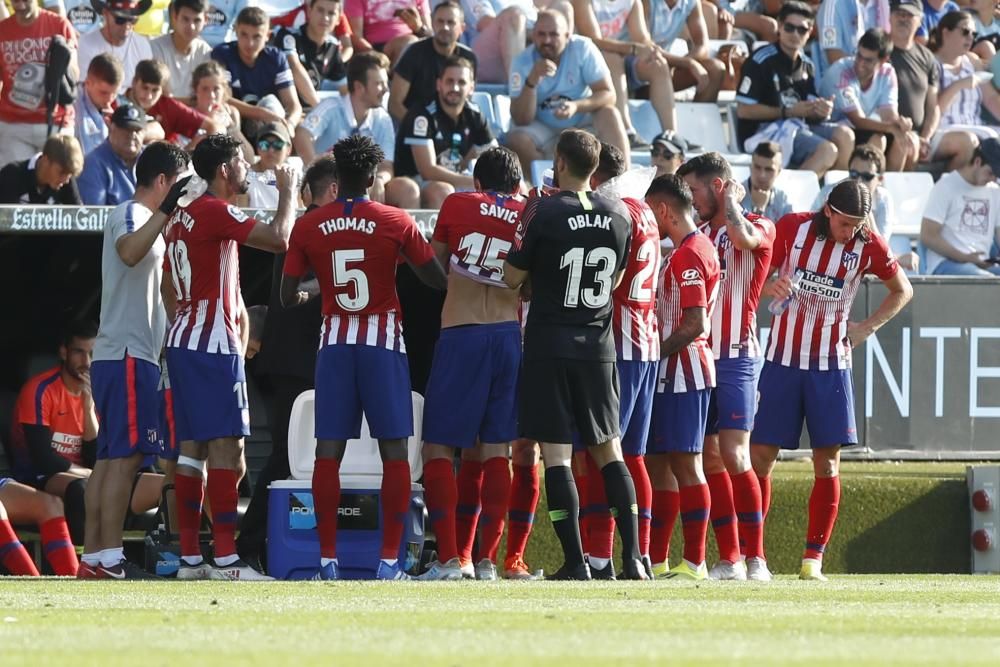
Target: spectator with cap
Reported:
[(960, 223), (260, 78), (172, 120), (317, 57), (360, 112), (919, 82), (413, 81), (274, 148), (388, 26), (95, 100), (667, 152), (762, 196), (777, 101), (672, 19), (932, 13), (866, 96), (182, 49), (117, 36), (24, 38), (108, 178), (495, 30), (47, 178), (560, 81)]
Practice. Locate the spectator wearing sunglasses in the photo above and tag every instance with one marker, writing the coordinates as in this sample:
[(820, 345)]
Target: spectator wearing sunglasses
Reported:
[(762, 196), (667, 152), (934, 11), (274, 146), (117, 36), (865, 95), (777, 100)]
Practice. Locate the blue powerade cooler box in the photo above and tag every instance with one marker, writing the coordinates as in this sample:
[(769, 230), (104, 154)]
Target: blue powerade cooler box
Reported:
[(293, 541)]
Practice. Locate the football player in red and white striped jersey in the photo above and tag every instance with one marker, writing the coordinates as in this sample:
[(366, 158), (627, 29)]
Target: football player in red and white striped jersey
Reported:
[(743, 241), (807, 372)]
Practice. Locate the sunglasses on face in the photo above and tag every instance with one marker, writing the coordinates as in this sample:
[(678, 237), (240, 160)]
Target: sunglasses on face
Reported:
[(791, 28), (966, 32), (865, 176), (271, 144), (126, 20), (658, 151)]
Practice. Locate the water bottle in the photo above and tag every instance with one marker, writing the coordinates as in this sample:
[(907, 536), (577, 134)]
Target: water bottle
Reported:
[(777, 307)]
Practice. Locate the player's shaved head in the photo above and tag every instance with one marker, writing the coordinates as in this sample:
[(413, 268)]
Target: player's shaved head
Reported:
[(357, 157), (610, 164), (580, 150), (498, 170)]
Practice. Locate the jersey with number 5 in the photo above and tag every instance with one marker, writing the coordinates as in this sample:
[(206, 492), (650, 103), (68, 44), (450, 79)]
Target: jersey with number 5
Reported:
[(353, 246), (478, 228), (573, 245), (637, 336), (203, 262)]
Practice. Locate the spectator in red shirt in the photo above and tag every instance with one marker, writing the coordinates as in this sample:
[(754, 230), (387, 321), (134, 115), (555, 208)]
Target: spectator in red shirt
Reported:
[(173, 120), (24, 41)]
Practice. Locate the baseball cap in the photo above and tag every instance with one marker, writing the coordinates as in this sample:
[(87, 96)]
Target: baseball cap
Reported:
[(914, 7), (990, 150), (279, 130), (125, 8), (672, 142), (130, 117)]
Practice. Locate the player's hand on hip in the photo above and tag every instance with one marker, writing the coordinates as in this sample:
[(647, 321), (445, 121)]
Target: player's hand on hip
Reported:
[(857, 333)]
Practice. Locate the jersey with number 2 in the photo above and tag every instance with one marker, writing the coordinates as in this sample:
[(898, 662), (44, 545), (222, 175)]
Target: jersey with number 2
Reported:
[(353, 246)]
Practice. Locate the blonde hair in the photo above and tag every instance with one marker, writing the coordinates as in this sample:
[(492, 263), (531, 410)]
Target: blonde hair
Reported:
[(65, 151)]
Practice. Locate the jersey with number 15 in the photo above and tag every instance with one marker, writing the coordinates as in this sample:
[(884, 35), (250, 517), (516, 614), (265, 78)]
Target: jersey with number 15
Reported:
[(478, 228), (353, 246)]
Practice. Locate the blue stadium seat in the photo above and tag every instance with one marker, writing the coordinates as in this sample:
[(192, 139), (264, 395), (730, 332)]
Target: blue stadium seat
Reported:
[(644, 119), (485, 103), (491, 88), (538, 167)]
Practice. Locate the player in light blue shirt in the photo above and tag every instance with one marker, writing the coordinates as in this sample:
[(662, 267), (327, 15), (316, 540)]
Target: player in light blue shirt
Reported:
[(360, 112)]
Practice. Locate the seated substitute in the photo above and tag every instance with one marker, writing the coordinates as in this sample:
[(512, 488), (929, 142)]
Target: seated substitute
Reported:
[(47, 178), (762, 196), (22, 504)]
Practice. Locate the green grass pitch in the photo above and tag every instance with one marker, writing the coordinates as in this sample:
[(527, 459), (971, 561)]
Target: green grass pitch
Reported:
[(852, 619)]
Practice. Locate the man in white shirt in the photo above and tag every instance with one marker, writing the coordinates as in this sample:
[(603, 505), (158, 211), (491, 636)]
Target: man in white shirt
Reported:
[(183, 49), (960, 226), (117, 35)]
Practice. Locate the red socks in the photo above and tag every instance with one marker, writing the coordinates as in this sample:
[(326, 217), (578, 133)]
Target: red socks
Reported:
[(58, 547), (395, 501), (765, 494), (723, 516), (524, 492), (495, 498), (223, 495), (695, 502), (190, 492), (441, 494), (326, 502), (643, 498), (470, 481), (746, 498), (13, 556), (580, 480), (666, 507), (823, 505), (601, 528)]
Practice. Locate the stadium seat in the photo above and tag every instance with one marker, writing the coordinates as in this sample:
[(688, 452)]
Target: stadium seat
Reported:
[(834, 176), (485, 103), (741, 172), (701, 123), (802, 187), (502, 104), (538, 167), (362, 464), (491, 88), (910, 191), (644, 119), (327, 94)]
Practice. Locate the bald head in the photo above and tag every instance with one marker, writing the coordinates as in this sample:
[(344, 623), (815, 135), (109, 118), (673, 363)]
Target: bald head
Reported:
[(551, 34)]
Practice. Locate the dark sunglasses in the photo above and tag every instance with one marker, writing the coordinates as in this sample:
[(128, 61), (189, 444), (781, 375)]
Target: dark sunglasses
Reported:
[(792, 28), (865, 176), (272, 144), (659, 151), (966, 32), (126, 20)]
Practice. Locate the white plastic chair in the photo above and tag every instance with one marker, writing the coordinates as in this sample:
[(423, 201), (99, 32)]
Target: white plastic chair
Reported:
[(362, 464), (538, 168), (910, 191), (701, 122), (801, 185), (502, 109)]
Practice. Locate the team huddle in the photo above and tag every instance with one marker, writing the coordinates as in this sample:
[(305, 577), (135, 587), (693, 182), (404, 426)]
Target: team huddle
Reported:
[(566, 332)]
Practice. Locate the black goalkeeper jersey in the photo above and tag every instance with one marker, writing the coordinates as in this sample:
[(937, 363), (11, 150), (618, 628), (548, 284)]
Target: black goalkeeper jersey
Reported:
[(574, 245)]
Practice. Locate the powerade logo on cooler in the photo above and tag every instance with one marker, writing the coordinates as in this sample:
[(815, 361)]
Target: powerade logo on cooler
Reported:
[(357, 511), (823, 286)]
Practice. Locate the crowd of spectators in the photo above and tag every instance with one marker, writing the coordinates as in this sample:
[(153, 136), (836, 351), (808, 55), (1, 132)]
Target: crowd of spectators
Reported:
[(890, 85)]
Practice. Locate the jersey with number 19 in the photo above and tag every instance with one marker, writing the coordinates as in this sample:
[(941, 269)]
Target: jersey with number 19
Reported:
[(203, 344), (479, 324), (353, 246)]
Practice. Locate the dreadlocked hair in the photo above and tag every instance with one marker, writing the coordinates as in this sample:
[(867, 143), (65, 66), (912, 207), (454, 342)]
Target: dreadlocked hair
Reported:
[(851, 198), (357, 157)]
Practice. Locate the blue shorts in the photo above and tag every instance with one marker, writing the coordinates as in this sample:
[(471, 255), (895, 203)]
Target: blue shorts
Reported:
[(825, 399), (356, 379), (472, 390), (679, 422), (808, 139), (635, 409), (126, 402), (734, 399), (210, 395)]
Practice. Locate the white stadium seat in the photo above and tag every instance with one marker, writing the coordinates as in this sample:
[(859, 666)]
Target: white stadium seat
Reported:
[(910, 191), (502, 104), (538, 168), (802, 186)]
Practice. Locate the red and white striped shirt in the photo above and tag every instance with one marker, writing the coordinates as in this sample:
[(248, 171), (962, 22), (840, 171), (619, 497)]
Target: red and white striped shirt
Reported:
[(690, 279), (203, 262), (812, 332), (743, 273), (353, 246), (637, 335)]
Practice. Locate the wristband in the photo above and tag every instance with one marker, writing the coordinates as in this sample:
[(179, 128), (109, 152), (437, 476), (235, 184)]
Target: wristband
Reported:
[(528, 84)]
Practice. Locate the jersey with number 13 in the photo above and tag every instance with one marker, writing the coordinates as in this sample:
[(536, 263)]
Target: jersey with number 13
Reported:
[(353, 246), (573, 244)]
